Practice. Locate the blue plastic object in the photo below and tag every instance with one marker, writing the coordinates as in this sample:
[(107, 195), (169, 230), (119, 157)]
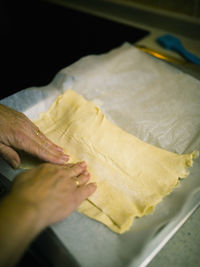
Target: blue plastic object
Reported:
[(173, 43)]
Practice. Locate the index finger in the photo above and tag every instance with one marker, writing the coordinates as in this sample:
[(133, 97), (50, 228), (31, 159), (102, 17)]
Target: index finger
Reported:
[(39, 146), (45, 153)]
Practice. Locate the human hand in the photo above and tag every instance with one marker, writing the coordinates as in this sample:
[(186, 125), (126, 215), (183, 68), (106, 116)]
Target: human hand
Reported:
[(38, 198), (18, 132), (52, 191)]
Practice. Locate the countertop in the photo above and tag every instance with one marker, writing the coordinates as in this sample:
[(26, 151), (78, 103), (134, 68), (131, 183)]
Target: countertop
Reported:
[(183, 248)]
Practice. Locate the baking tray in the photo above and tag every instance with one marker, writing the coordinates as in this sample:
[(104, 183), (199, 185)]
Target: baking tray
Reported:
[(155, 102)]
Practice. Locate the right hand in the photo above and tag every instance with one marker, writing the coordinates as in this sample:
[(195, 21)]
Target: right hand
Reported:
[(17, 133), (52, 190)]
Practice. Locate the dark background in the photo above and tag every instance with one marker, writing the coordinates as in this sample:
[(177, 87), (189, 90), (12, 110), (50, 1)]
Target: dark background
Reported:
[(38, 39)]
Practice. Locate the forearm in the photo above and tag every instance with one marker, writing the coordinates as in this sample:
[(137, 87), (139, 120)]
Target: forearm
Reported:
[(18, 227)]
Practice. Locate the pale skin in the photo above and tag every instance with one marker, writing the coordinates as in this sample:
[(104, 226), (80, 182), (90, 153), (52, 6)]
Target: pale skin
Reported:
[(38, 197)]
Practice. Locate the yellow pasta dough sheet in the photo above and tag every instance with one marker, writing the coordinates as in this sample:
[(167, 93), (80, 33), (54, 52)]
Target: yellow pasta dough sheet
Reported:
[(132, 176)]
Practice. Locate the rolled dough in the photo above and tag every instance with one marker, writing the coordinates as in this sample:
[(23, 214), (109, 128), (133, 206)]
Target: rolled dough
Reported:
[(131, 175)]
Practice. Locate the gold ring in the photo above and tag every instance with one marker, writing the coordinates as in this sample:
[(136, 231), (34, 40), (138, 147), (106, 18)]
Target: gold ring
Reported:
[(77, 182), (38, 132)]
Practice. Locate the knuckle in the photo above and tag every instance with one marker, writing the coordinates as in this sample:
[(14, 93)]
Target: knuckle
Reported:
[(21, 120), (75, 170), (85, 179), (20, 138), (42, 150)]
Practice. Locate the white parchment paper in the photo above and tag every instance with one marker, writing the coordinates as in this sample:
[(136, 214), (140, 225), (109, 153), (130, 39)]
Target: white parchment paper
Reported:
[(147, 98)]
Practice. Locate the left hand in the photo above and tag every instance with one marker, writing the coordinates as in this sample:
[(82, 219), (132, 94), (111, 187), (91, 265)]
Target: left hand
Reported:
[(51, 190), (18, 132), (38, 198)]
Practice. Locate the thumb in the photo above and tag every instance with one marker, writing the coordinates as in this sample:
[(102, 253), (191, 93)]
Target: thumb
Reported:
[(10, 155)]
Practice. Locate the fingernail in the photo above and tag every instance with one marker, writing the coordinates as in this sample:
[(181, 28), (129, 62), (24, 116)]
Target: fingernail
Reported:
[(59, 149), (83, 164), (86, 173), (63, 159)]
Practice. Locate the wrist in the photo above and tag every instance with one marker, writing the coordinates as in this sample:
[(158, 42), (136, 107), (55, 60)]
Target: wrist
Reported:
[(18, 227), (24, 215)]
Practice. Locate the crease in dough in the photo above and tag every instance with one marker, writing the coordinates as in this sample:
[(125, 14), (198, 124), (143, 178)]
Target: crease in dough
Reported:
[(131, 175)]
